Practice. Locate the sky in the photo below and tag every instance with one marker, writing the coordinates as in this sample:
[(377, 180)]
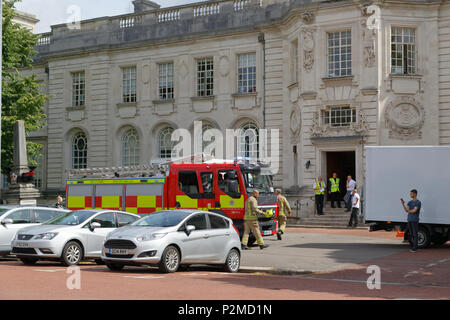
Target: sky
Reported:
[(52, 12)]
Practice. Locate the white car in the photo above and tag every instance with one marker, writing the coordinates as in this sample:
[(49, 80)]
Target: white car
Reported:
[(14, 218), (70, 238)]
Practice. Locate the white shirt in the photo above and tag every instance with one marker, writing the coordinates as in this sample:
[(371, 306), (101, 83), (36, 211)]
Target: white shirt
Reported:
[(354, 198), (351, 185)]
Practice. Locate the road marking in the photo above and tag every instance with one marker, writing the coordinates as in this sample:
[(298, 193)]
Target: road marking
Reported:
[(195, 274), (144, 277), (49, 270)]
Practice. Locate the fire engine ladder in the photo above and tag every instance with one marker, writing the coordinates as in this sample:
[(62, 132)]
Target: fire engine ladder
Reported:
[(157, 169)]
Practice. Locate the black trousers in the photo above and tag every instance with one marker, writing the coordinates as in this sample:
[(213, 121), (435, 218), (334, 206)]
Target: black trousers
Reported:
[(413, 231), (335, 196), (319, 203), (354, 217)]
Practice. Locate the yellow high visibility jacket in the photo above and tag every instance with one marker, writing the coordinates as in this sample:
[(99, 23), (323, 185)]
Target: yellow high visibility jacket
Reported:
[(319, 185), (334, 184), (251, 209)]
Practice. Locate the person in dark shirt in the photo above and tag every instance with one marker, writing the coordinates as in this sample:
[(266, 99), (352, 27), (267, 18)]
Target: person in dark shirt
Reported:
[(413, 210)]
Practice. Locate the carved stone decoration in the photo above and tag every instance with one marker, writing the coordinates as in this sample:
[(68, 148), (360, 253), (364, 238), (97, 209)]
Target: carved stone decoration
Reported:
[(307, 17), (183, 70), (308, 48), (364, 7), (369, 55), (317, 129), (295, 122), (405, 117), (224, 66), (362, 126)]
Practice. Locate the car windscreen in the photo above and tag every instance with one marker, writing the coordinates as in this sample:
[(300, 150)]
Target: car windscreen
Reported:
[(2, 211), (255, 180), (162, 219), (72, 218)]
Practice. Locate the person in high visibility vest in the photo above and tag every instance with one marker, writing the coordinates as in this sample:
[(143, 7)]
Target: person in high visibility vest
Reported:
[(319, 192), (283, 208), (251, 221), (334, 191)]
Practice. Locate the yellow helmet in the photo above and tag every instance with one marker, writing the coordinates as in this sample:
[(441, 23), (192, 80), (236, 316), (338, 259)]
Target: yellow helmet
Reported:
[(269, 213)]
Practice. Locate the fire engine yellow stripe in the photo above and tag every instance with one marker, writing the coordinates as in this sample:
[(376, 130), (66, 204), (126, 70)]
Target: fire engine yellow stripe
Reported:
[(187, 202), (75, 202), (131, 210), (228, 202), (111, 181), (111, 202), (146, 201)]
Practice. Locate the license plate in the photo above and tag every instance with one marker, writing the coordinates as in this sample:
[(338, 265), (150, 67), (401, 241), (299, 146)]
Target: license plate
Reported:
[(22, 244), (268, 232), (118, 251)]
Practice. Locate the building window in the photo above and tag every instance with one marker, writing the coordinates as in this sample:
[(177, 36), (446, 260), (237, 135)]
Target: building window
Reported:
[(166, 81), (39, 171), (294, 61), (248, 141), (130, 148), (79, 151), (403, 50), (340, 54), (78, 89), (247, 73), (165, 143), (129, 84), (205, 77), (339, 116), (201, 138)]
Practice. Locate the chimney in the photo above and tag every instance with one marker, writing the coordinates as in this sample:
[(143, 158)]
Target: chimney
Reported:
[(144, 5)]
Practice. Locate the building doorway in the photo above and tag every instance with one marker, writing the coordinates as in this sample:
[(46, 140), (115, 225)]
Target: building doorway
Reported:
[(344, 164)]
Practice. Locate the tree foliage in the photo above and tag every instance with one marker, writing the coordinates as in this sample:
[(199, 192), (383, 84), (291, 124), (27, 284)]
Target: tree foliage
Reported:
[(21, 96)]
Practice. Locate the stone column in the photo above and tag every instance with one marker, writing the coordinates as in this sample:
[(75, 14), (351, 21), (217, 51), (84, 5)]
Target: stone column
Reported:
[(20, 189)]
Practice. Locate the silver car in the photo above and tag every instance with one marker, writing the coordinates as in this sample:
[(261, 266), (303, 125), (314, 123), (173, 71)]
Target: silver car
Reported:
[(168, 239), (70, 238), (14, 218)]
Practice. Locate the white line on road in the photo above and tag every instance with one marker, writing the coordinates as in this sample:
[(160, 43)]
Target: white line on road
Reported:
[(49, 270)]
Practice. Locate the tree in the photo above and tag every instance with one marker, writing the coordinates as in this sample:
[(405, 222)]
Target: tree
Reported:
[(21, 98)]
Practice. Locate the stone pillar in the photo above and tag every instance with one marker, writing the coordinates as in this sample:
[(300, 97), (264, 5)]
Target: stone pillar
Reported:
[(20, 188)]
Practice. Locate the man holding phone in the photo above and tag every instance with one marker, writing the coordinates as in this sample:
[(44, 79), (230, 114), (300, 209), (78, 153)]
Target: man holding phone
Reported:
[(413, 210)]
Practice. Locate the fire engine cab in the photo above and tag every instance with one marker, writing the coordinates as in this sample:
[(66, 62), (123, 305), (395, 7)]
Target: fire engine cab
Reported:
[(217, 186)]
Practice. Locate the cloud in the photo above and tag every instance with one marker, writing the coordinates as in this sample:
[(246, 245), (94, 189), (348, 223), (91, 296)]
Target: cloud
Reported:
[(52, 12)]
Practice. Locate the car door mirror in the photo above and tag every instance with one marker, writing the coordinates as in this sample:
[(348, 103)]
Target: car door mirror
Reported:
[(189, 229), (95, 225), (7, 221)]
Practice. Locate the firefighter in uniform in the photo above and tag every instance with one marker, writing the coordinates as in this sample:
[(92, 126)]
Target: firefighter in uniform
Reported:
[(251, 221), (319, 192), (334, 190), (284, 207)]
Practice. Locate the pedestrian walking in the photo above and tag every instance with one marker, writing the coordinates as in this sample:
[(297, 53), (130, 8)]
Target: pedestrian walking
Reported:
[(351, 185), (319, 192), (251, 221), (353, 222), (283, 207), (59, 203), (334, 191), (413, 210)]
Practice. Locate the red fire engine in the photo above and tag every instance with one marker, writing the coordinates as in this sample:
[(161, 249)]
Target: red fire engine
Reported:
[(217, 186)]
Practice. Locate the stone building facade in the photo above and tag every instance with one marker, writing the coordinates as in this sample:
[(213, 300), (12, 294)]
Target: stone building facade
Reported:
[(332, 76)]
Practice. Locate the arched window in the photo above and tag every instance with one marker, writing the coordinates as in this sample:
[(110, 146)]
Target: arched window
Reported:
[(79, 151), (248, 141), (165, 143), (201, 138), (130, 148)]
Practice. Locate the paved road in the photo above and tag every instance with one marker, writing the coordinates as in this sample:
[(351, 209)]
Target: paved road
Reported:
[(342, 274)]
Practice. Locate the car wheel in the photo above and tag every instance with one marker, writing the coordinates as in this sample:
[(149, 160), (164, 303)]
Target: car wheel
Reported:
[(115, 266), (233, 261), (72, 254), (424, 238), (100, 262), (170, 260), (29, 261)]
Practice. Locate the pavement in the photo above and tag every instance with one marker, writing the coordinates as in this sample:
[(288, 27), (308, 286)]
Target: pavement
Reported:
[(303, 251)]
